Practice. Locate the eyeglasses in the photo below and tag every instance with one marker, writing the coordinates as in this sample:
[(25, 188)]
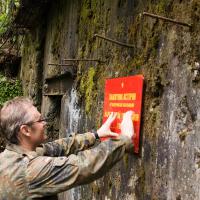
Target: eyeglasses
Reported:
[(38, 121)]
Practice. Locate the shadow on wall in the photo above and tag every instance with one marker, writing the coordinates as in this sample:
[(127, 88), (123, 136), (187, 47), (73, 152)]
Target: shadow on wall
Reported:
[(53, 117)]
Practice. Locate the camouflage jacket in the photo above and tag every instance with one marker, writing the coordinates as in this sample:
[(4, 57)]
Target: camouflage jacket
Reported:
[(56, 166)]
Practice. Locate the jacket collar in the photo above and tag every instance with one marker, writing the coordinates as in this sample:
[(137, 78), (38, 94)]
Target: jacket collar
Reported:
[(20, 150)]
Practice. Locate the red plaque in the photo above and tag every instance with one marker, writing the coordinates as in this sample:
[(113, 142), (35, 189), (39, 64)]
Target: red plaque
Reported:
[(123, 94)]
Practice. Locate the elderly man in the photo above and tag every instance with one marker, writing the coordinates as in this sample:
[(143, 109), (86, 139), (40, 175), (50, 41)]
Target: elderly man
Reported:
[(32, 170)]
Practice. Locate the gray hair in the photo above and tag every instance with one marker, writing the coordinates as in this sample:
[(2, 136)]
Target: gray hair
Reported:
[(13, 115)]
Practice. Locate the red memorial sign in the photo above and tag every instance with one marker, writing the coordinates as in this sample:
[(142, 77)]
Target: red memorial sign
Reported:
[(123, 94)]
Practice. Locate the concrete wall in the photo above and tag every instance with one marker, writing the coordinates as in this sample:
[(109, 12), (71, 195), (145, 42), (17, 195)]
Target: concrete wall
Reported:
[(168, 56)]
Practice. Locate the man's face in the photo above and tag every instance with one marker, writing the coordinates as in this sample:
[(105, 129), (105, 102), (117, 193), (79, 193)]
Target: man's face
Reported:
[(36, 127)]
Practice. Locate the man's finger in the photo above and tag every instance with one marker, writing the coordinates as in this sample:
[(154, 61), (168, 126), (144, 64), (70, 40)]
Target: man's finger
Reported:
[(111, 118), (128, 114), (113, 134), (114, 115)]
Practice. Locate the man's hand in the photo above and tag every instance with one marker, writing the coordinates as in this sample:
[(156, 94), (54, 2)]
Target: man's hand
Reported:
[(127, 128), (104, 130)]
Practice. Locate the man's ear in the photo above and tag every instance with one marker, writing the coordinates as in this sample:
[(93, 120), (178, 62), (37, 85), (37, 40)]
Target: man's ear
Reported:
[(25, 130)]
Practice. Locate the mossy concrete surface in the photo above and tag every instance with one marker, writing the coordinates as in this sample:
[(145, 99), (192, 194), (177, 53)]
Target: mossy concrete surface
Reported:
[(168, 55)]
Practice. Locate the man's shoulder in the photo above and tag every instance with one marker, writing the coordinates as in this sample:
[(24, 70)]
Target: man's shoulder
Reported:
[(12, 163), (10, 157), (12, 170), (7, 154)]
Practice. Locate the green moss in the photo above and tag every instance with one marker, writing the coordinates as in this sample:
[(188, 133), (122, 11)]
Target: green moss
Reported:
[(183, 134), (125, 160), (151, 47), (87, 88), (198, 164), (161, 6), (85, 11), (95, 188), (89, 24), (4, 21), (8, 10), (9, 89), (119, 29), (56, 43), (133, 65), (58, 23), (141, 174)]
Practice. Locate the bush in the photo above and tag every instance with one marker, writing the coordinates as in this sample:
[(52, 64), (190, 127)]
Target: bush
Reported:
[(9, 88)]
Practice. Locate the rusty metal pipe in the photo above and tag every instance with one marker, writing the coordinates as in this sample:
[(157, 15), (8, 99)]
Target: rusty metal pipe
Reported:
[(114, 41), (55, 64), (167, 19), (71, 59)]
